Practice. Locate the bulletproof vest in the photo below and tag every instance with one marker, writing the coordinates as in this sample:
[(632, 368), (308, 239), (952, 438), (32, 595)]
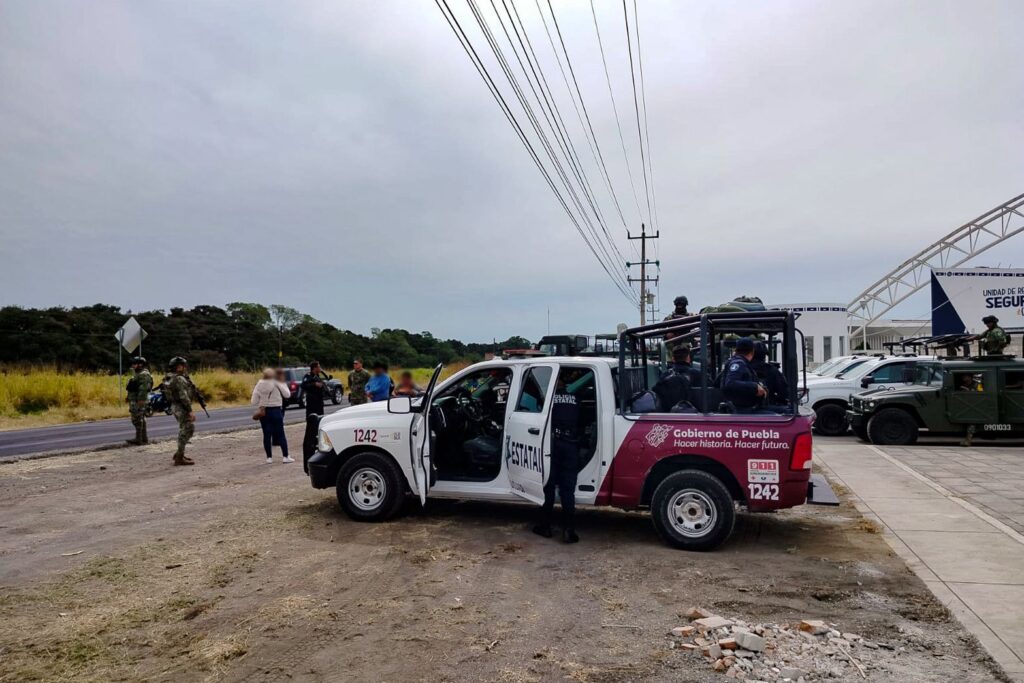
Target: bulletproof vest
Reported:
[(565, 415)]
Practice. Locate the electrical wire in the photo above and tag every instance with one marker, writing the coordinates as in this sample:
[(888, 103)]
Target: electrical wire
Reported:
[(492, 87), (636, 107)]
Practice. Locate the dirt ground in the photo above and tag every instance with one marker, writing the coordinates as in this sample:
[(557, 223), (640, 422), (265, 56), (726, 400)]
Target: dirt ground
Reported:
[(117, 566)]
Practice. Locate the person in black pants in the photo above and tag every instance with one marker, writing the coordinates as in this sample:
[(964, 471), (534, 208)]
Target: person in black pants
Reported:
[(565, 456)]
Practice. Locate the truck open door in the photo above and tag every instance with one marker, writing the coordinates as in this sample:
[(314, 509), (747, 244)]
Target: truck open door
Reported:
[(420, 437), (527, 447)]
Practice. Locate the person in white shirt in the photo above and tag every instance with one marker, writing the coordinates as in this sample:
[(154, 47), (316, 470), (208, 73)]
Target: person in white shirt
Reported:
[(269, 396)]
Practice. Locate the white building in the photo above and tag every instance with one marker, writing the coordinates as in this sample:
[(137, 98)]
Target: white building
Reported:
[(824, 327)]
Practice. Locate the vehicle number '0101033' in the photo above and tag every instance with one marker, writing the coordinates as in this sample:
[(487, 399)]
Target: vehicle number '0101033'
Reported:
[(763, 491), (365, 435)]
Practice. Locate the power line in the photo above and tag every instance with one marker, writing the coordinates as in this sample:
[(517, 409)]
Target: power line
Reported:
[(492, 87), (615, 109), (606, 260), (636, 107), (647, 133), (595, 147), (554, 121)]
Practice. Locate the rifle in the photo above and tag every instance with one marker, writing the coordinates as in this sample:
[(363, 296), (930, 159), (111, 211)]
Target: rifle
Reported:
[(200, 399)]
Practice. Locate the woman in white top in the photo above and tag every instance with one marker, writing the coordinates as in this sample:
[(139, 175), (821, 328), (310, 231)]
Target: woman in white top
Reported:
[(269, 395)]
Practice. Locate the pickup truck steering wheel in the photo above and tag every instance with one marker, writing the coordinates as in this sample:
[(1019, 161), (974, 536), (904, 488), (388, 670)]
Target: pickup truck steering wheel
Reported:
[(471, 408)]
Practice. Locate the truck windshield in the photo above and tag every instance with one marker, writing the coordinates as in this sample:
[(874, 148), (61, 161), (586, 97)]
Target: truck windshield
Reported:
[(856, 370), (843, 367)]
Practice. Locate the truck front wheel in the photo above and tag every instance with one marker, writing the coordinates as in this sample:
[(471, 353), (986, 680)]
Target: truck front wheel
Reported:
[(830, 420), (370, 487), (693, 510), (892, 427)]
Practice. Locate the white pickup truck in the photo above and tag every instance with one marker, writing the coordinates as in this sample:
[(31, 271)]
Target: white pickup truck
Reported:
[(485, 433), (829, 397)]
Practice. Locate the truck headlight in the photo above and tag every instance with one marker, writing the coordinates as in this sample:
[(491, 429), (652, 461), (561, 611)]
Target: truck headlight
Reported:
[(324, 442)]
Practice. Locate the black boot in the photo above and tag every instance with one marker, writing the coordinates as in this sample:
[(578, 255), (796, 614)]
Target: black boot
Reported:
[(569, 536), (543, 529)]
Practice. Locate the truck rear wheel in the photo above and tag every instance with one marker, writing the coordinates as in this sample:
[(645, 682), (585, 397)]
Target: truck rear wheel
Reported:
[(370, 487), (892, 427), (830, 420), (693, 510), (336, 396)]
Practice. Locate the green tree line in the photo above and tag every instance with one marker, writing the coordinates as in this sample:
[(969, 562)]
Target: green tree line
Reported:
[(237, 336)]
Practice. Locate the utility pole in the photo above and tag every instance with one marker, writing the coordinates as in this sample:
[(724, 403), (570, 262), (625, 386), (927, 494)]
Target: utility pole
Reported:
[(643, 263)]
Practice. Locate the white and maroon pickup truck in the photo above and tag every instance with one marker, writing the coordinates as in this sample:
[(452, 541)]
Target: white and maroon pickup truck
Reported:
[(485, 434)]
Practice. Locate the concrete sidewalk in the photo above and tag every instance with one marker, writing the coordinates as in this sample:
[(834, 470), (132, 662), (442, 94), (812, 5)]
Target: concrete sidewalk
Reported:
[(971, 561)]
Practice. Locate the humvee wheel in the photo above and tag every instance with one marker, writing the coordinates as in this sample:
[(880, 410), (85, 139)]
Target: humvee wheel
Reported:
[(830, 420), (693, 510), (370, 487), (892, 427), (336, 396)]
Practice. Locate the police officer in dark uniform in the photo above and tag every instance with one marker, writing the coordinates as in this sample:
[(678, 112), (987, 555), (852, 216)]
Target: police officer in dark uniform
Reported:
[(772, 378), (565, 455), (313, 390), (739, 384)]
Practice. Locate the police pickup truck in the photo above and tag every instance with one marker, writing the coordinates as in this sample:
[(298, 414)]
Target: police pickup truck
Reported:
[(485, 434)]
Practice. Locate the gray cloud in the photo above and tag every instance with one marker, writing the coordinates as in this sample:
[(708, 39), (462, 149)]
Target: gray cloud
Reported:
[(157, 154)]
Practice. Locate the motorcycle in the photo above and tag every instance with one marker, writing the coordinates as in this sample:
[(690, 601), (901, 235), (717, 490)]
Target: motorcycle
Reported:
[(158, 403)]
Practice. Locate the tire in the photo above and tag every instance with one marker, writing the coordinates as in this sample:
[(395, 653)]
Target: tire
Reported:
[(892, 427), (336, 395), (831, 420), (693, 510), (370, 487), (861, 432)]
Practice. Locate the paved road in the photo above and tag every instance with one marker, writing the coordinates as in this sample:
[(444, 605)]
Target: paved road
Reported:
[(108, 432)]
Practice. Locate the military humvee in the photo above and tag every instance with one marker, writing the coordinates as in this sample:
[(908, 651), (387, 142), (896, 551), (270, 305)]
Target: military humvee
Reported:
[(969, 397)]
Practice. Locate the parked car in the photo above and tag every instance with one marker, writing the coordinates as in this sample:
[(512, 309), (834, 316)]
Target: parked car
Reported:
[(485, 434), (829, 397), (333, 391), (983, 395)]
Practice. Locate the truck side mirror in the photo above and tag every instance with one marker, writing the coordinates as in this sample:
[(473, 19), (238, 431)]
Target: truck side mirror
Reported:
[(400, 405), (864, 383)]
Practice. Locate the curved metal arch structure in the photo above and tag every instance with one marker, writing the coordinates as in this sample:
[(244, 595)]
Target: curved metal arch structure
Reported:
[(953, 250)]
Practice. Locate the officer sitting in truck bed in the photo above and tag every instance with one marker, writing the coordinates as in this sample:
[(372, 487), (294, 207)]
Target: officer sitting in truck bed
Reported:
[(739, 384)]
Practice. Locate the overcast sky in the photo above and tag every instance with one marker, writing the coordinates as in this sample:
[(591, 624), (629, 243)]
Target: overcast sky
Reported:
[(345, 158)]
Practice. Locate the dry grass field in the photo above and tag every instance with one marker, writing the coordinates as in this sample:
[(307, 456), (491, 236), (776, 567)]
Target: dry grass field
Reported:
[(40, 396)]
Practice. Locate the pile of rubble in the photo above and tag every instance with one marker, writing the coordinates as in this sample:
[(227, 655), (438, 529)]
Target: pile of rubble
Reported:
[(808, 651)]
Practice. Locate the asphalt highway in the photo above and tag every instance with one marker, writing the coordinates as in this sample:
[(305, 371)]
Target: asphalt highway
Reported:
[(81, 435)]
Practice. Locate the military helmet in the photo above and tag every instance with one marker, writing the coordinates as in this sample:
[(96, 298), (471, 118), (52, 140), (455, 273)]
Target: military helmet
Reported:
[(681, 301), (176, 361), (139, 360), (990, 319)]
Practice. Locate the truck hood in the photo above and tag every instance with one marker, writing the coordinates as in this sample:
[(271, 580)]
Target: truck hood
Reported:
[(364, 411)]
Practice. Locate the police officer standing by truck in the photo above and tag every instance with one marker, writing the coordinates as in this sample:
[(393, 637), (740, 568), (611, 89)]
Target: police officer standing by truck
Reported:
[(137, 395), (565, 458), (313, 390)]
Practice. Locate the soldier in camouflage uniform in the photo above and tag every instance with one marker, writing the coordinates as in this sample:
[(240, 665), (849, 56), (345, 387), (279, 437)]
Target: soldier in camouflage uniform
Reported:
[(180, 394), (137, 395), (357, 380), (994, 339), (680, 303)]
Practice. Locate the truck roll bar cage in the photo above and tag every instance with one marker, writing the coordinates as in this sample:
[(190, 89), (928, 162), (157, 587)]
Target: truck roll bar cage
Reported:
[(706, 327)]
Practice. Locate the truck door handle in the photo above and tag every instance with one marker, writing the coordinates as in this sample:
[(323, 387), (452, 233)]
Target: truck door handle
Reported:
[(534, 430)]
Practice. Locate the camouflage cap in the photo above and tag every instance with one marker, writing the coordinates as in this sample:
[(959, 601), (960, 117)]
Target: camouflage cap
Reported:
[(681, 301), (176, 361), (138, 360), (990, 319)]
